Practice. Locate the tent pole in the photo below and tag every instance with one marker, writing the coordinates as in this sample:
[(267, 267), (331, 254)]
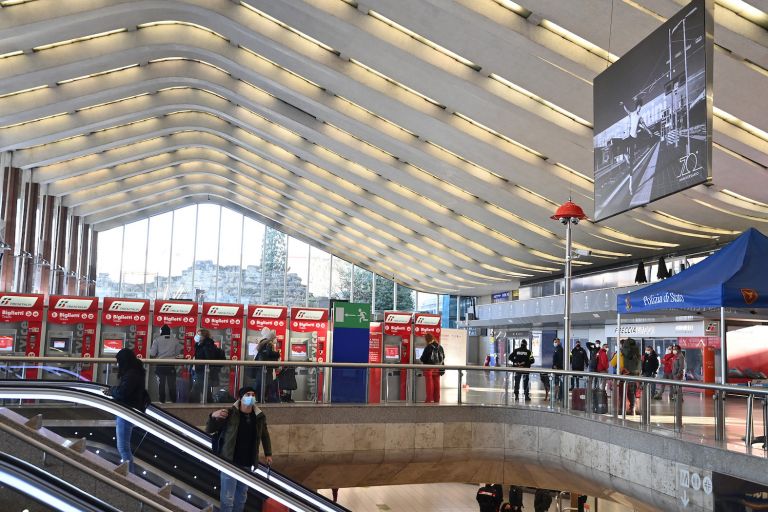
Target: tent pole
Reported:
[(723, 349)]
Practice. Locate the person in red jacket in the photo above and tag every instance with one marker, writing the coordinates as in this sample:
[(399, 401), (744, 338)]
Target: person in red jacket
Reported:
[(666, 367), (602, 364)]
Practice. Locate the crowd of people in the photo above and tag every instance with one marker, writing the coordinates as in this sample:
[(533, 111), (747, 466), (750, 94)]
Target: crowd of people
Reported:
[(627, 360), (490, 498)]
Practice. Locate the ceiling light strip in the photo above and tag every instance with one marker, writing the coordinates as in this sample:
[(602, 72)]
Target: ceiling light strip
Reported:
[(396, 83), (78, 40), (100, 73), (289, 28)]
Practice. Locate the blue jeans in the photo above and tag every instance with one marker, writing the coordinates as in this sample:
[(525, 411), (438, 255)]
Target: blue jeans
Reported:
[(233, 494), (123, 429)]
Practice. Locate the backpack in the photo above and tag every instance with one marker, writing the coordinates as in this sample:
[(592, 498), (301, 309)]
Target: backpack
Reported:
[(217, 352), (434, 356)]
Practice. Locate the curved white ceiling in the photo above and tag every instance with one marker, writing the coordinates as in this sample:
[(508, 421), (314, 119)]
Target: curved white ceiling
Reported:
[(427, 140)]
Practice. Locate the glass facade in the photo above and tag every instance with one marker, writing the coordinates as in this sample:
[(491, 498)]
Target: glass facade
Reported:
[(207, 252)]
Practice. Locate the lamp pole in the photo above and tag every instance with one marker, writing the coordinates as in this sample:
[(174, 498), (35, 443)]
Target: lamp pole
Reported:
[(568, 213)]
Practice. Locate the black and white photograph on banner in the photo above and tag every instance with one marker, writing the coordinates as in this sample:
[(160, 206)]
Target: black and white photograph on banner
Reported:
[(653, 115)]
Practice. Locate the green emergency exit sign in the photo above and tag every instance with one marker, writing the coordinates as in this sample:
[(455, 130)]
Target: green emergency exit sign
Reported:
[(352, 314)]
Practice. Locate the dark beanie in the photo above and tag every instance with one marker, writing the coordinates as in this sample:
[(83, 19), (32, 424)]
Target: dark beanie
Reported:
[(243, 390), (165, 331)]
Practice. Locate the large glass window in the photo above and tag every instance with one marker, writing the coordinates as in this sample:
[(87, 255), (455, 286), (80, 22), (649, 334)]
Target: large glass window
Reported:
[(362, 285), (385, 294), (134, 258), (319, 278), (230, 238), (183, 253), (297, 274), (406, 298), (158, 256), (341, 279), (109, 256), (207, 251), (275, 246), (427, 302), (253, 243)]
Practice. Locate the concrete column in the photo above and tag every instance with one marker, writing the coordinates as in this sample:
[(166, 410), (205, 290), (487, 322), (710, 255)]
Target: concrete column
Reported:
[(8, 211), (45, 250), (59, 265), (30, 233), (92, 260)]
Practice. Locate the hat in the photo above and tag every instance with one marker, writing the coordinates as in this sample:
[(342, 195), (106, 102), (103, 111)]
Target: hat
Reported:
[(523, 343), (165, 330), (243, 390)]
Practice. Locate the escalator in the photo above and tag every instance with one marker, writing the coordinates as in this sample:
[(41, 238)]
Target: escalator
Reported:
[(171, 449)]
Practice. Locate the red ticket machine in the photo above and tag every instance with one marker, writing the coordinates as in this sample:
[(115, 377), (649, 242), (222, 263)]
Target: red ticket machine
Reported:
[(225, 323), (309, 336), (396, 349), (71, 331), (423, 323), (21, 323), (124, 324), (374, 356), (181, 317), (274, 318)]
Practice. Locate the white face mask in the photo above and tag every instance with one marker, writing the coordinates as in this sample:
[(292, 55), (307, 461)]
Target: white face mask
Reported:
[(248, 400), (674, 351), (555, 344), (197, 338)]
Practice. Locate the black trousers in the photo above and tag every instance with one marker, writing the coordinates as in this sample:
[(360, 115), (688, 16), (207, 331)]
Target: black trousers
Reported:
[(166, 377), (526, 386)]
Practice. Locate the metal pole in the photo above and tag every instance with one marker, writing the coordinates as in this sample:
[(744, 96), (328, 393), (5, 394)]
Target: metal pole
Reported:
[(461, 373), (567, 317), (678, 407), (719, 416), (723, 349), (749, 421)]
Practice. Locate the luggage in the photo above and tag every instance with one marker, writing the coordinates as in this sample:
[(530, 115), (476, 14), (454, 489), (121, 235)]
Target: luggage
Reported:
[(599, 401), (578, 399), (271, 505)]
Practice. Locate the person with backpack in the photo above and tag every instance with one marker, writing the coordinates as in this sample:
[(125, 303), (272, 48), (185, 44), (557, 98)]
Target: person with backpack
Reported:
[(650, 365), (205, 349), (165, 347), (265, 351), (593, 349), (129, 391), (579, 361), (432, 355), (516, 498), (238, 432), (489, 497)]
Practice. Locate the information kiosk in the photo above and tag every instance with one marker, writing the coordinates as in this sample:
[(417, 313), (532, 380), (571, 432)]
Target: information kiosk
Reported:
[(396, 349), (423, 323), (225, 323), (21, 323), (71, 332), (307, 342), (124, 324)]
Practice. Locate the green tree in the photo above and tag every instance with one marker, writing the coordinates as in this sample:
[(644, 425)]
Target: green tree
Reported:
[(275, 252), (363, 286)]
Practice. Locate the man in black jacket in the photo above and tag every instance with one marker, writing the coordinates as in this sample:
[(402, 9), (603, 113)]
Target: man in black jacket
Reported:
[(239, 429), (205, 348), (650, 365), (579, 360), (521, 357), (489, 497), (557, 364)]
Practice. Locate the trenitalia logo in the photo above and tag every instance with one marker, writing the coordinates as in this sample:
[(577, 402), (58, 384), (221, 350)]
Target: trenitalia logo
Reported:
[(397, 318), (427, 320), (267, 313), (15, 301), (78, 304), (174, 308), (223, 310), (126, 305), (310, 314)]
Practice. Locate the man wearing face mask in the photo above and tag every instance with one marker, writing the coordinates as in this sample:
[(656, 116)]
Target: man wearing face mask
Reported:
[(205, 349), (239, 430), (557, 364), (650, 365), (666, 368)]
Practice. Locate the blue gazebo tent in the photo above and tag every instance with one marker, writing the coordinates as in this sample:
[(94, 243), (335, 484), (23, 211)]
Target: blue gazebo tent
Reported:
[(733, 277)]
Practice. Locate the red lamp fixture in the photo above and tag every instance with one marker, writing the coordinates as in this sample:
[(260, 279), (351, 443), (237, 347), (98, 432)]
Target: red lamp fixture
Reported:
[(569, 211)]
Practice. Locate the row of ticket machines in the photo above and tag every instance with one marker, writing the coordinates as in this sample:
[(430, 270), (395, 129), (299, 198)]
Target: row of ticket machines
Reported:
[(69, 326)]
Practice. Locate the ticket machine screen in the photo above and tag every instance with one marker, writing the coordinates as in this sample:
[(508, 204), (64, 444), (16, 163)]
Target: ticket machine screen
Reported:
[(7, 343), (59, 344), (299, 351), (392, 353), (419, 351), (113, 345)]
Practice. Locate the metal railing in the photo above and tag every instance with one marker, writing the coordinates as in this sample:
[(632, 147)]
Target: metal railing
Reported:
[(623, 387)]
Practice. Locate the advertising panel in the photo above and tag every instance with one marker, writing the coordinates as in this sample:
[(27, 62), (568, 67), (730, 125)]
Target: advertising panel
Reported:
[(374, 356), (21, 316), (83, 314), (274, 318), (180, 316), (653, 115), (129, 317)]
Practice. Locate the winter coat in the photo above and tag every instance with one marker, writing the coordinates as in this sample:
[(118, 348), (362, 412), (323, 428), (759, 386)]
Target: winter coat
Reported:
[(557, 358), (579, 359), (678, 367), (666, 362), (521, 358), (594, 350), (630, 352), (602, 361), (206, 349), (426, 355), (130, 389), (231, 424), (650, 364), (164, 347)]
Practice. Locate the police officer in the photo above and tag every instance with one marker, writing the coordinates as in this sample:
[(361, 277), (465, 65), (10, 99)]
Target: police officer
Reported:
[(521, 357)]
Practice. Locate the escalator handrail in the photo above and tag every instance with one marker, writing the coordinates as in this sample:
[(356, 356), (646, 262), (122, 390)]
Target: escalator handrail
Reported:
[(182, 427), (295, 498), (32, 481)]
